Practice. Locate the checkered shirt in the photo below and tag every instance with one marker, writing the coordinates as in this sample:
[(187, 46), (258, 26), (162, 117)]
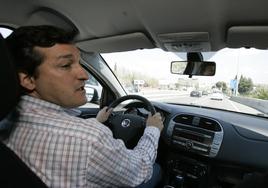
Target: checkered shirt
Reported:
[(67, 151)]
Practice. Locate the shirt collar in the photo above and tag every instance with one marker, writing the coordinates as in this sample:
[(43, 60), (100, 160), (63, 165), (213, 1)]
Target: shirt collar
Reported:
[(27, 102)]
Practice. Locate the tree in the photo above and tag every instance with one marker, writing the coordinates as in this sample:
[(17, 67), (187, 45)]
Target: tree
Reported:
[(245, 85), (261, 93), (115, 68), (224, 87), (218, 85), (221, 86)]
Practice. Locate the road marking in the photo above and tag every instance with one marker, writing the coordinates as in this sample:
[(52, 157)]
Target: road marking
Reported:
[(199, 101), (233, 105)]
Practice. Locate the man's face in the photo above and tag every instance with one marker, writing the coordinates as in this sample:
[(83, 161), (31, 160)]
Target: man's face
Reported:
[(60, 77)]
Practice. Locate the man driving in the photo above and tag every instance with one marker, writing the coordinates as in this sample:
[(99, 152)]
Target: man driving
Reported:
[(64, 150)]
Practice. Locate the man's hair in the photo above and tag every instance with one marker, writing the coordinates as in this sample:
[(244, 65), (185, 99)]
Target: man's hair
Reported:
[(23, 40)]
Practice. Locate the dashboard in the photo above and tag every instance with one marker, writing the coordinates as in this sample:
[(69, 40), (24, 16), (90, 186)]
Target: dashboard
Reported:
[(205, 147)]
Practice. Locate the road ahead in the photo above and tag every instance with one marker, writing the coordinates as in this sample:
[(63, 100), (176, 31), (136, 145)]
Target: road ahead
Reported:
[(184, 98)]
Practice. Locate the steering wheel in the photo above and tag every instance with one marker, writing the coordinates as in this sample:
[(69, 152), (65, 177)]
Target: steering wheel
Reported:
[(129, 127)]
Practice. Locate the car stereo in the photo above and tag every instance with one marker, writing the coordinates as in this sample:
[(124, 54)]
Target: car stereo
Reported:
[(195, 134)]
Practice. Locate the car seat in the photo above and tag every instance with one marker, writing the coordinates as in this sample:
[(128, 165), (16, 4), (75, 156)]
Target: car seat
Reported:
[(13, 172)]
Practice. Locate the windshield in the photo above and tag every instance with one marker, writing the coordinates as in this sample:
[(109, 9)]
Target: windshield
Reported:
[(240, 83)]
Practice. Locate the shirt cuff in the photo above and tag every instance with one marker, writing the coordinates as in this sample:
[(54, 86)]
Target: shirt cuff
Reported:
[(152, 130)]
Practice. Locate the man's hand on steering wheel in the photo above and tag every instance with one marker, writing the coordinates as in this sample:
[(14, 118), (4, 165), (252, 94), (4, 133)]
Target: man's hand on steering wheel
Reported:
[(155, 121), (130, 127), (104, 114)]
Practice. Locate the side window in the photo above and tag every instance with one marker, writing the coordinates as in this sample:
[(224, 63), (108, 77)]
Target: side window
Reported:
[(93, 92), (5, 32)]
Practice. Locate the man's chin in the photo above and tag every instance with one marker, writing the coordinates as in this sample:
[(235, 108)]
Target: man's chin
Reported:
[(82, 102), (76, 104)]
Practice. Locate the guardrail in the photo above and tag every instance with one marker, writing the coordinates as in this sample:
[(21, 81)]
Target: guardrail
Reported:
[(258, 104)]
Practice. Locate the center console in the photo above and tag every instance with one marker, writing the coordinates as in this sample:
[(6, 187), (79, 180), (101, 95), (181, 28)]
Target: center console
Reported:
[(196, 135)]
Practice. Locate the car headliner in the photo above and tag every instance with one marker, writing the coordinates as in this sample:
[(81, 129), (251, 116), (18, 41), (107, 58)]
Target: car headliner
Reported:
[(173, 25)]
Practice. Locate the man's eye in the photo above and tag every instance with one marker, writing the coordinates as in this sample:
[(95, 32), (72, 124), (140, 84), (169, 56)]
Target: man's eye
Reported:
[(65, 66)]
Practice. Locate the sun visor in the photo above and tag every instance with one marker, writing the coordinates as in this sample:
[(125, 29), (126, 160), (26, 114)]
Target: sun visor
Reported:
[(248, 36), (117, 43)]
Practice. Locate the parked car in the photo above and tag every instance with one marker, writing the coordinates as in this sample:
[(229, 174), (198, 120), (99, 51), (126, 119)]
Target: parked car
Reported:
[(204, 143)]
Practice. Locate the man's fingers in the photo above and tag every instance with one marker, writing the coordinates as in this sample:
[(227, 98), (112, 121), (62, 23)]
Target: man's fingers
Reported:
[(109, 110), (105, 108)]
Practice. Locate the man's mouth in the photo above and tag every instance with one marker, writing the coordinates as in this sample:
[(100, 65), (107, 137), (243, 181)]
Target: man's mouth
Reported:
[(81, 88)]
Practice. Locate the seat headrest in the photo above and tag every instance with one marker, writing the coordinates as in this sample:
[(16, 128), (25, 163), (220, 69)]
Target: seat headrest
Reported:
[(9, 84)]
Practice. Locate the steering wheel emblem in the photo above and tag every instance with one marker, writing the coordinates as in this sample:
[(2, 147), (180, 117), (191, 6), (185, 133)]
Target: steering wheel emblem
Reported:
[(125, 123)]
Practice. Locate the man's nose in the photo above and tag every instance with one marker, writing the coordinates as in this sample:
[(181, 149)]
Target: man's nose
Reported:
[(82, 73)]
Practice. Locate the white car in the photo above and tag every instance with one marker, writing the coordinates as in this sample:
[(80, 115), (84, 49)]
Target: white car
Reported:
[(217, 96)]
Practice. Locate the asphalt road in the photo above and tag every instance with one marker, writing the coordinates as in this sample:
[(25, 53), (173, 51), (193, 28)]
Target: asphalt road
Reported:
[(183, 97), (202, 101)]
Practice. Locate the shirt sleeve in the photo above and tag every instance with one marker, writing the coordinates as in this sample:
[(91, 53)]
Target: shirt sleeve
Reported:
[(111, 164)]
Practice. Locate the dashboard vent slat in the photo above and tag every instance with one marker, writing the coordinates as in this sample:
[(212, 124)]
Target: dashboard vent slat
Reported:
[(209, 124), (184, 119), (197, 121)]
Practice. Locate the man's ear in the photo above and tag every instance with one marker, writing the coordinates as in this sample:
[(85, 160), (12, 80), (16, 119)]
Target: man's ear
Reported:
[(27, 81)]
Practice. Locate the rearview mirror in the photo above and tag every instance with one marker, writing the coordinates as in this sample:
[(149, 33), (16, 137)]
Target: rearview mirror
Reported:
[(197, 68)]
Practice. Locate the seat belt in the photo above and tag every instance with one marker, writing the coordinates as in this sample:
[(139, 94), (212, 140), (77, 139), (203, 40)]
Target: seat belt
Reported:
[(14, 173)]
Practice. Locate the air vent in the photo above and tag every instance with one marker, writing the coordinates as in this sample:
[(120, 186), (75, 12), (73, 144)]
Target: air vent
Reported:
[(184, 119), (197, 121), (209, 124)]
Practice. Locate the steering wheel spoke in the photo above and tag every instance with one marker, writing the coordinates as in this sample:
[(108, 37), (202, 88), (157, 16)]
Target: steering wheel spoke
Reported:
[(129, 127)]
